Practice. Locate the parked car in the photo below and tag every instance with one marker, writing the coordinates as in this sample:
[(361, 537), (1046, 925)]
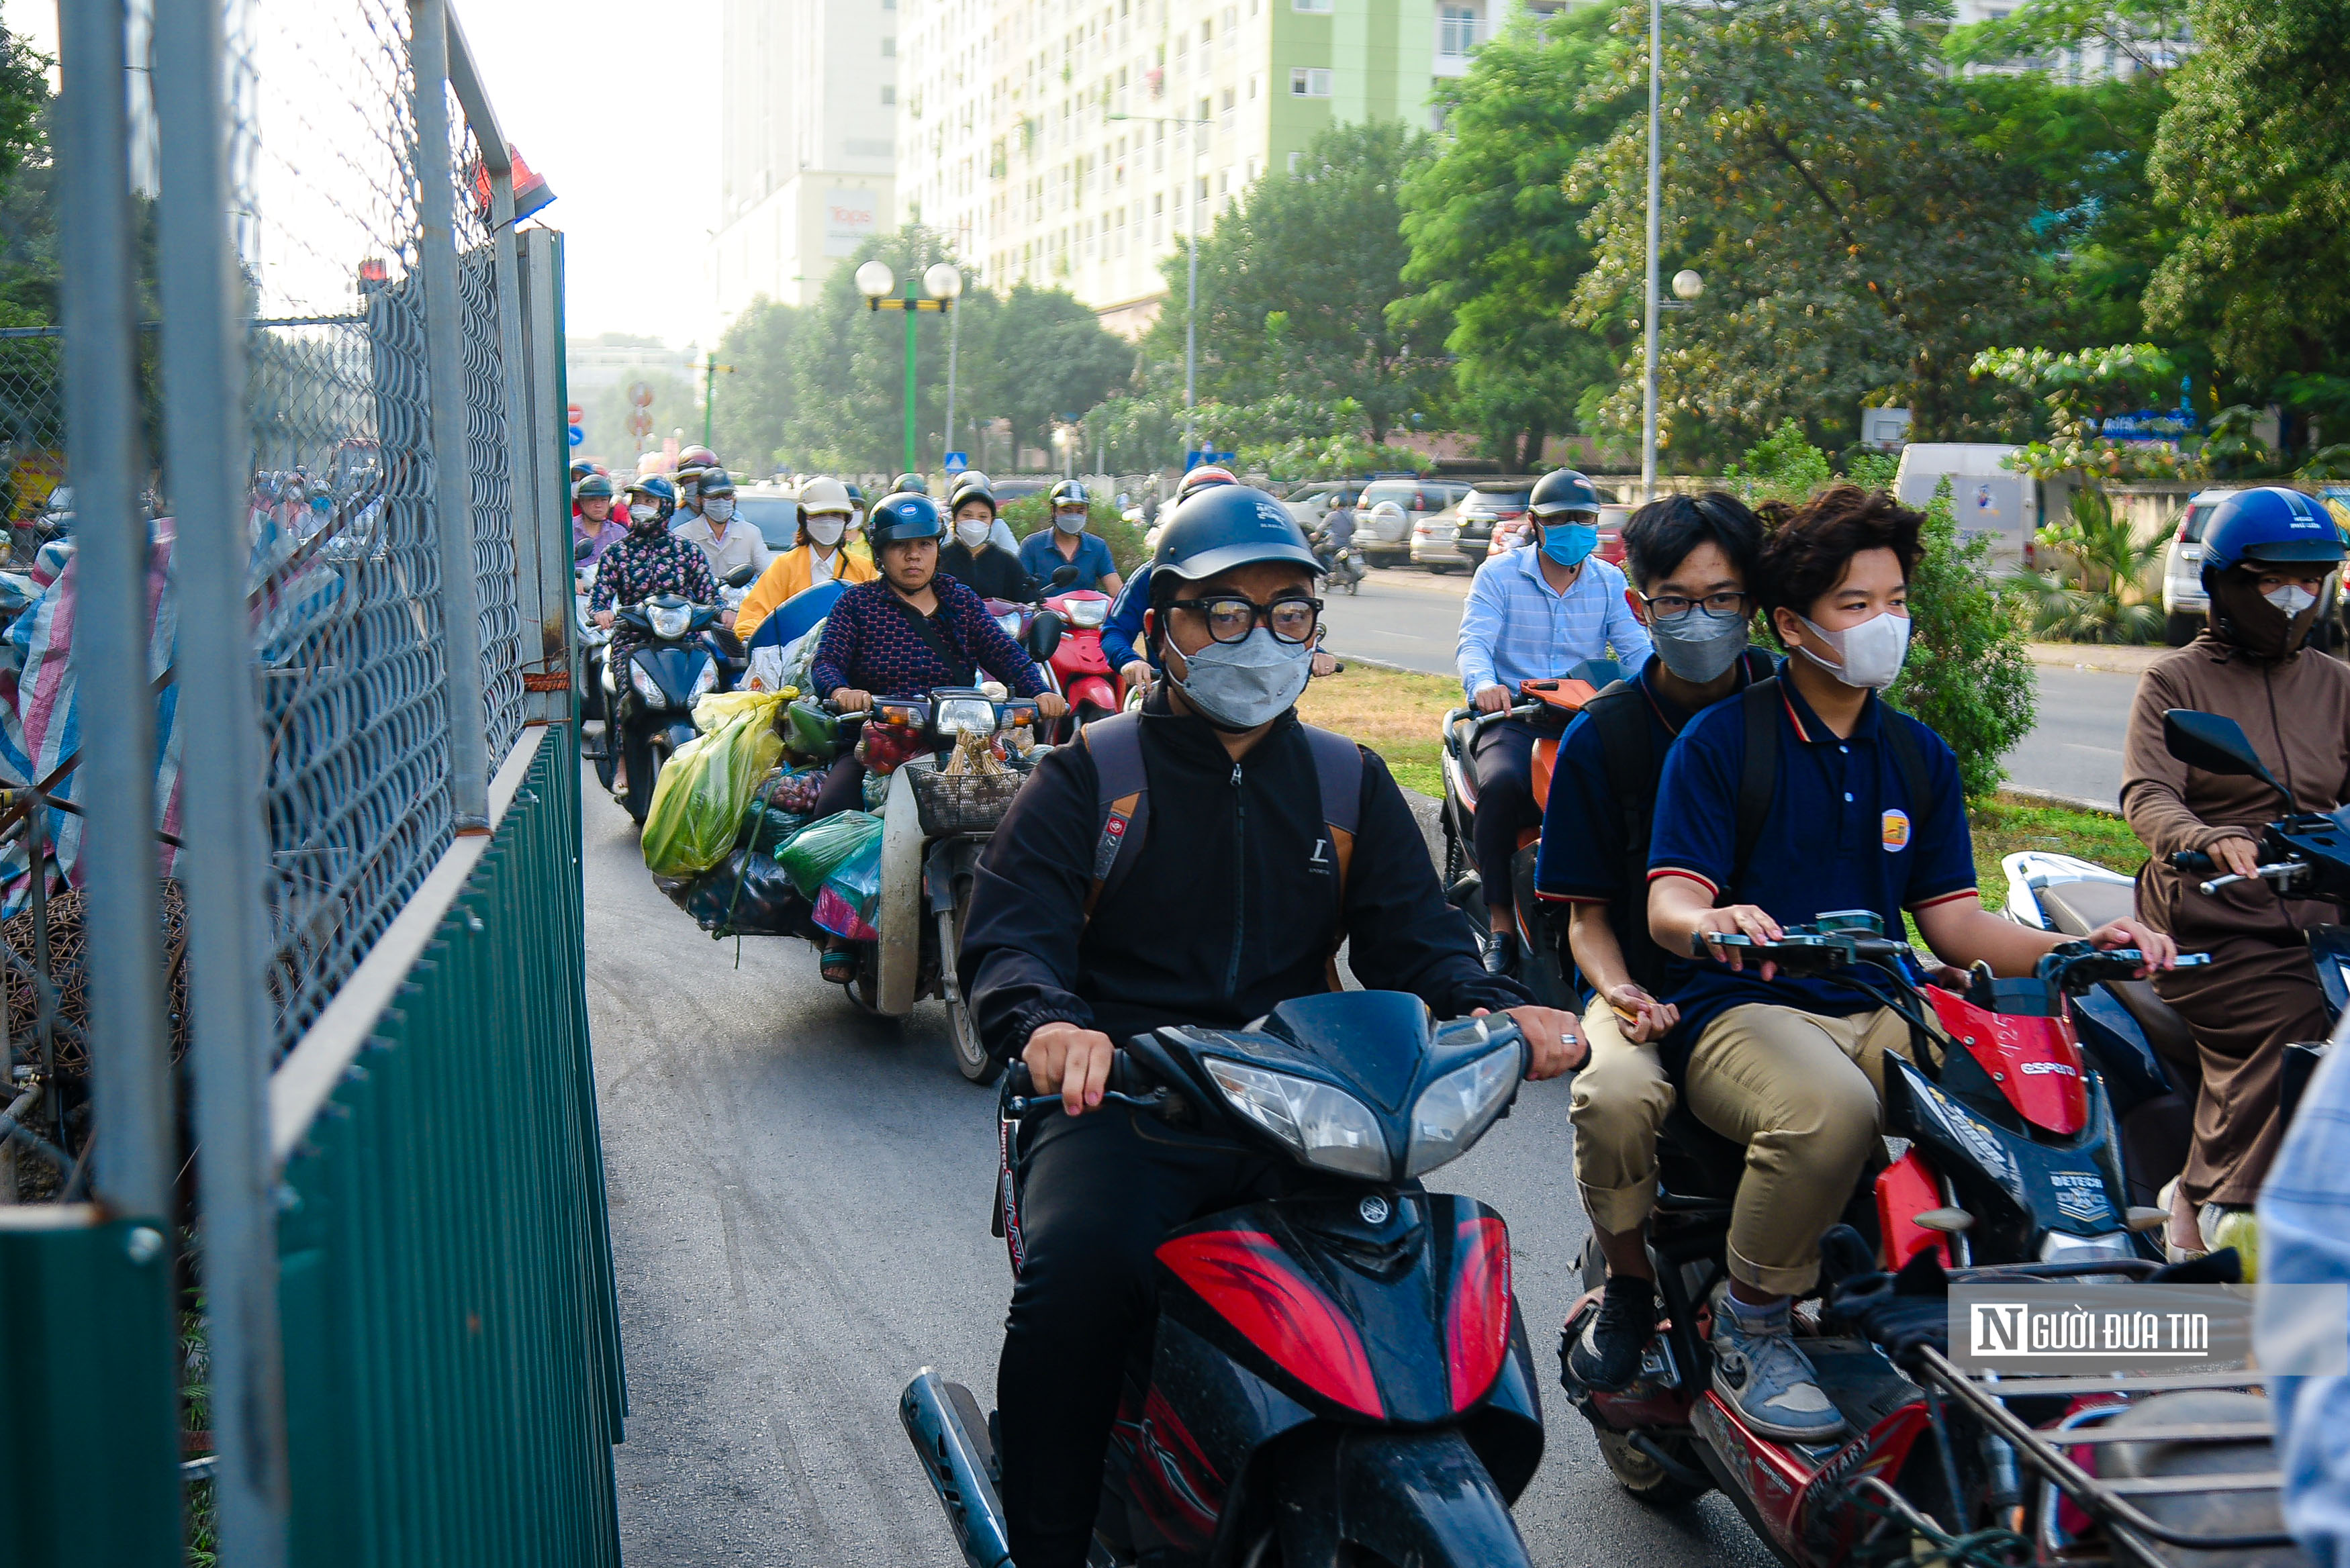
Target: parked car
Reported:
[(1513, 532), (1309, 504), (775, 514), (1420, 500), (2184, 602), (1491, 503)]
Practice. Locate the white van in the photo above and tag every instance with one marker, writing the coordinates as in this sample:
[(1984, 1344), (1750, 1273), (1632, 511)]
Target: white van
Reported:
[(1985, 497)]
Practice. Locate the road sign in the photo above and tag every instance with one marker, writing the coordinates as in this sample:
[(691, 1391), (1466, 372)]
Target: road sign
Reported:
[(957, 463), (575, 413), (575, 436), (1193, 460), (640, 423), (640, 394)]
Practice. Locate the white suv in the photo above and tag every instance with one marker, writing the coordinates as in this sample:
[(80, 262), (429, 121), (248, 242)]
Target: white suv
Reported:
[(2184, 602)]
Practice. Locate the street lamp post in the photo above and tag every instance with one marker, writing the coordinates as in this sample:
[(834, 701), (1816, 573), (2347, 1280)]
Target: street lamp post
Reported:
[(1192, 301), (1648, 314), (878, 282), (944, 281)]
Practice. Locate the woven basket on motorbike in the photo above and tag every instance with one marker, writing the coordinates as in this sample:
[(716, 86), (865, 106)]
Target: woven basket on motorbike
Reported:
[(69, 969), (963, 802)]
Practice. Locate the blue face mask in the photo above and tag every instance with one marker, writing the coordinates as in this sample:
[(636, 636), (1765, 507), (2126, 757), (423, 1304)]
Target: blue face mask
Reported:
[(1568, 544)]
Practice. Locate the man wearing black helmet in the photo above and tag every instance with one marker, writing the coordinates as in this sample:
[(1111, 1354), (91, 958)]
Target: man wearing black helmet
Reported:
[(1250, 867)]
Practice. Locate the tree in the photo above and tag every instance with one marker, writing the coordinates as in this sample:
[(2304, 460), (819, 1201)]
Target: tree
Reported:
[(2255, 155), (1497, 244), (756, 403), (1041, 356), (849, 364), (1296, 283), (1853, 247), (1968, 674), (28, 240)]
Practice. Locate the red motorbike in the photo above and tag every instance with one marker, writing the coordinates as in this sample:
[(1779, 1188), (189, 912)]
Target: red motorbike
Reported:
[(2002, 1162), (1080, 669)]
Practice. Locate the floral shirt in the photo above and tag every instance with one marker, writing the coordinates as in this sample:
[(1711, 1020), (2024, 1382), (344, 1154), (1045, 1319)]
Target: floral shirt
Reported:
[(869, 644), (649, 561)]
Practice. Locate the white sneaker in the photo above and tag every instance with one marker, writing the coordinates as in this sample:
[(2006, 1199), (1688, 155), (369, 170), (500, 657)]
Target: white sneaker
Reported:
[(1769, 1382)]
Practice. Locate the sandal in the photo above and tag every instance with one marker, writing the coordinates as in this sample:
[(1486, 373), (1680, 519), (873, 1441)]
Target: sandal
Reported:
[(839, 967)]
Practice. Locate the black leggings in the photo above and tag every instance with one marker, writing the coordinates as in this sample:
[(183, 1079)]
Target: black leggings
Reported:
[(1504, 756), (843, 788), (1098, 1193)]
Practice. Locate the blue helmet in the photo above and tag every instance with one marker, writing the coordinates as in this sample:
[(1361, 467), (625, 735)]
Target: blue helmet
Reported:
[(1228, 525), (2266, 526), (901, 515)]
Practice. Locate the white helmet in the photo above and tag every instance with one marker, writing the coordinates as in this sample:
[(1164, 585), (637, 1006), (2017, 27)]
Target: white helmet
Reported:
[(823, 497)]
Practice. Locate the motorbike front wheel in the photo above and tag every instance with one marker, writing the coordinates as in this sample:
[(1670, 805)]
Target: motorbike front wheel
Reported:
[(970, 1054)]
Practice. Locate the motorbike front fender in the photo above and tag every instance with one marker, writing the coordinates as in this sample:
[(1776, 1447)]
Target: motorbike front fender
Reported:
[(1418, 1497), (1096, 689), (899, 954)]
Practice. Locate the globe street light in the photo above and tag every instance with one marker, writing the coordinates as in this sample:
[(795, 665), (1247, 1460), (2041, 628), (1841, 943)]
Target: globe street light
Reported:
[(943, 280), (878, 282), (1686, 284)]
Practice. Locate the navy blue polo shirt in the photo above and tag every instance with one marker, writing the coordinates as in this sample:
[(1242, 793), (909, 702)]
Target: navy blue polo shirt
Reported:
[(1040, 557), (1843, 835), (1582, 849)]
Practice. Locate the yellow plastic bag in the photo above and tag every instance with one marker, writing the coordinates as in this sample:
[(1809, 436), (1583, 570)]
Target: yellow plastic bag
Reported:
[(703, 791), (718, 709)]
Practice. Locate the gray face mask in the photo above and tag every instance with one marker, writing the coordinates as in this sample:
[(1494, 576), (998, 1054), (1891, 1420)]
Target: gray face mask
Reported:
[(1240, 685), (1698, 646)]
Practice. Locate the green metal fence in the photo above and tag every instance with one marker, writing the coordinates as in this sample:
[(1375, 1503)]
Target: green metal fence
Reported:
[(453, 1363)]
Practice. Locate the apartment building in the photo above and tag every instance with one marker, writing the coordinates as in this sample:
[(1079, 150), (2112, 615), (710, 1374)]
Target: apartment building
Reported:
[(809, 107), (1073, 143)]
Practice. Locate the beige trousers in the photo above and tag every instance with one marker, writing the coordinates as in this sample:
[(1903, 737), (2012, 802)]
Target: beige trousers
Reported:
[(1620, 1101), (1804, 1093)]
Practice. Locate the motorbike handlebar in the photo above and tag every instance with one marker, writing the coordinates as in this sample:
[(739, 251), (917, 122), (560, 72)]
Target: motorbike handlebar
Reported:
[(2279, 872), (1124, 1088), (2191, 860)]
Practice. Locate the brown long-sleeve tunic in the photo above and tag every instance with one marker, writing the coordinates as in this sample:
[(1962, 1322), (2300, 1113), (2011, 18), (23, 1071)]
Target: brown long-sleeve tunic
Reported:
[(2260, 992)]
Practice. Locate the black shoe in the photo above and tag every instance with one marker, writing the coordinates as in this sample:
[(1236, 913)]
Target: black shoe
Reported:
[(1607, 1354), (1502, 953)]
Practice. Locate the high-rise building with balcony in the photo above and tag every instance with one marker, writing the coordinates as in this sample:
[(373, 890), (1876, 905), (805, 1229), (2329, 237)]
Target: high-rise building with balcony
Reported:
[(809, 103), (1072, 143)]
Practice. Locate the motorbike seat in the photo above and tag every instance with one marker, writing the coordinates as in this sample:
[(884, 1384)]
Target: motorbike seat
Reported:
[(1697, 1169), (2079, 907), (2254, 1512)]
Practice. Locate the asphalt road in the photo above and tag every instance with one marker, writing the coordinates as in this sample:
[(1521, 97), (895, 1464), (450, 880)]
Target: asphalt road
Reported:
[(800, 1201), (1409, 617)]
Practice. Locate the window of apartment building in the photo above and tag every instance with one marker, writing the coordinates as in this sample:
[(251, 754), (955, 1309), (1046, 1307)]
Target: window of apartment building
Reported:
[(1207, 32), (888, 93), (888, 46), (1309, 81), (1456, 30), (1231, 26), (1294, 160), (1322, 6), (1207, 107), (1253, 79)]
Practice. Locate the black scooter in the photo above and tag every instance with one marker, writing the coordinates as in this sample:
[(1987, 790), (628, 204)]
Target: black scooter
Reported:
[(650, 703), (1337, 1374)]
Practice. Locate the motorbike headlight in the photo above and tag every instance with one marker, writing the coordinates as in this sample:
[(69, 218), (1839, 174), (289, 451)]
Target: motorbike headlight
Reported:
[(669, 621), (1330, 1128), (647, 687), (704, 679), (1455, 1111), (1089, 612), (966, 716), (1010, 622)]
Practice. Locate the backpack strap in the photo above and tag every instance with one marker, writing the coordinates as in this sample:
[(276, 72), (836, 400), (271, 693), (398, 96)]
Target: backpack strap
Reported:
[(1339, 769), (1759, 781), (1121, 798)]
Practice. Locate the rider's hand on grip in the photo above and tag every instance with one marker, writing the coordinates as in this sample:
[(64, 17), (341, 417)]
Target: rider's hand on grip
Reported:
[(2239, 856), (1071, 1062), (1746, 925), (1490, 699)]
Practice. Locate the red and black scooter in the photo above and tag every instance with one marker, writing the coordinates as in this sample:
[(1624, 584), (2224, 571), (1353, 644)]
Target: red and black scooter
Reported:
[(1337, 1374), (2004, 1155)]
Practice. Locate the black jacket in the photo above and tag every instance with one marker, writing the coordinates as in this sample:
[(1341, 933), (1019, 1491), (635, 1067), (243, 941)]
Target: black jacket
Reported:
[(1222, 913), (992, 574)]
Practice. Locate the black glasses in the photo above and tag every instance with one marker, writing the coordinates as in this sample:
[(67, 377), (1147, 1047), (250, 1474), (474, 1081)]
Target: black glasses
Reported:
[(1231, 617), (1672, 607)]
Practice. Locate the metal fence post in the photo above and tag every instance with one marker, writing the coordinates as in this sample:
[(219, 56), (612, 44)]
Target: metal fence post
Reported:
[(221, 784), (453, 501), (540, 275), (130, 1063)]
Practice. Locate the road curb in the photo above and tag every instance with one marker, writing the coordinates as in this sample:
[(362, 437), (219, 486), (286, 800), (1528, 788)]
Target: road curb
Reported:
[(2057, 797)]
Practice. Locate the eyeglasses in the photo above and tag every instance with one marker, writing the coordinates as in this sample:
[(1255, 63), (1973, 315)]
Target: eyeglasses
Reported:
[(1672, 607), (1231, 617)]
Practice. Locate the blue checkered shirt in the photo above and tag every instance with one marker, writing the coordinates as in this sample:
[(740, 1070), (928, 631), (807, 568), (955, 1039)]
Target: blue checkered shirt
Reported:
[(1514, 629)]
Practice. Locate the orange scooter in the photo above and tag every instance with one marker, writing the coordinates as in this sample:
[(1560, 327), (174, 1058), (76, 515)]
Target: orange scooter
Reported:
[(1549, 706)]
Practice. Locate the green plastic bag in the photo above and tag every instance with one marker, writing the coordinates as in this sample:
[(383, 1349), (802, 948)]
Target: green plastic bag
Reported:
[(820, 848), (703, 791)]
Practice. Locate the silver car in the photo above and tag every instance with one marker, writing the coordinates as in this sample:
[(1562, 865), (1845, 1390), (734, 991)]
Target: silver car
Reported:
[(2184, 602), (1419, 500)]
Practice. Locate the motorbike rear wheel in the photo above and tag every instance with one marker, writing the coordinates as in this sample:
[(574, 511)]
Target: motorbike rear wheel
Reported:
[(1643, 1477)]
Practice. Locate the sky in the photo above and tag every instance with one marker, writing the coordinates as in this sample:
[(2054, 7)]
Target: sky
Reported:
[(604, 105)]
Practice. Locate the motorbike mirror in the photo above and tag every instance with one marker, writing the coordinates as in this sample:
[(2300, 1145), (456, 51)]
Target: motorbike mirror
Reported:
[(2217, 744), (582, 548), (741, 576), (1044, 632), (2141, 1218), (1064, 576)]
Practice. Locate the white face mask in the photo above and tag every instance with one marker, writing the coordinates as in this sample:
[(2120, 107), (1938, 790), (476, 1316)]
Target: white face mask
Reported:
[(971, 533), (719, 508), (825, 531), (1871, 651), (2291, 598), (643, 512)]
